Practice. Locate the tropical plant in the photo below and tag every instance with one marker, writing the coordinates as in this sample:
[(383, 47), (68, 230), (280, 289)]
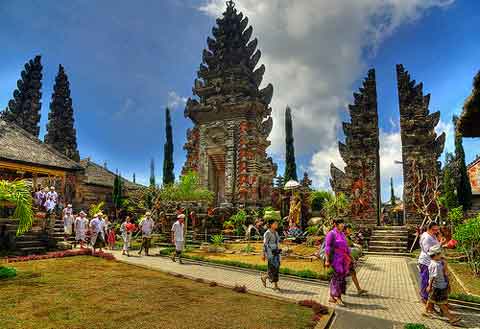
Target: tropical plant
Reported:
[(187, 189), (335, 207), (96, 208), (468, 237), (18, 193), (318, 198), (272, 214), (217, 240), (455, 216), (237, 222), (248, 249)]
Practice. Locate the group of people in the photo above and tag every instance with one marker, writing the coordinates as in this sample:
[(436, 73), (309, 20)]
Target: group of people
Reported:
[(337, 254), (434, 282), (46, 198), (98, 232)]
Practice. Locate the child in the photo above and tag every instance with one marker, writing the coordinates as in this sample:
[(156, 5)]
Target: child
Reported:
[(438, 287), (110, 227)]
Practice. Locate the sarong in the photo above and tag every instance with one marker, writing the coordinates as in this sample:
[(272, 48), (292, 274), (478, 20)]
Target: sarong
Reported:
[(438, 296), (424, 276), (338, 285), (273, 268)]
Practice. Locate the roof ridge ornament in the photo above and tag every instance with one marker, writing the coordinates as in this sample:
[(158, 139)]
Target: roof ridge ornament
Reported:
[(230, 4)]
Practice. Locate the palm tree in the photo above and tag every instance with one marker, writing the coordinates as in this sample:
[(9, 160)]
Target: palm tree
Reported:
[(18, 193)]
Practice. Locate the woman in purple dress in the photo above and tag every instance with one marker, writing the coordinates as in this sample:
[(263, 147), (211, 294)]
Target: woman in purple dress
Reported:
[(337, 255)]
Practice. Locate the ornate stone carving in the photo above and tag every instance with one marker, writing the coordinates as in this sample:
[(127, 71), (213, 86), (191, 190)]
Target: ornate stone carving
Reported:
[(360, 181), (421, 147), (229, 98)]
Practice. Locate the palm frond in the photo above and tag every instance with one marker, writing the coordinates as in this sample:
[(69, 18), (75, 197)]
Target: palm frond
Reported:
[(20, 195)]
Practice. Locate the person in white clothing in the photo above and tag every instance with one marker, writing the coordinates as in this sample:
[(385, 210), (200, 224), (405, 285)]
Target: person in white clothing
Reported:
[(97, 226), (81, 226), (68, 220), (178, 237), (53, 195), (146, 226)]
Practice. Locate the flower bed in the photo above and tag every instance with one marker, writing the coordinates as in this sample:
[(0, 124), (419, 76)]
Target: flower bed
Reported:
[(61, 254)]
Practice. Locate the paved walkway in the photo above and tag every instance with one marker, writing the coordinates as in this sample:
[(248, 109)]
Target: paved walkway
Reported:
[(391, 302)]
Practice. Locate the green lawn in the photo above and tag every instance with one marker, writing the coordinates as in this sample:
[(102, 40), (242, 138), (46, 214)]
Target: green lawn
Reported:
[(464, 273), (87, 292)]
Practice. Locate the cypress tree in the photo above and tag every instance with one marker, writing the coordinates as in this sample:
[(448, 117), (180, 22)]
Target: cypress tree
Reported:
[(117, 192), (61, 133), (290, 165), (168, 165), (134, 180), (392, 193), (449, 195), (24, 108), (464, 190), (152, 173)]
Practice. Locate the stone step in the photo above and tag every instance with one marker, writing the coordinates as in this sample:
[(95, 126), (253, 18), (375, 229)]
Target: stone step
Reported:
[(388, 249), (391, 228), (389, 237), (32, 250), (390, 231), (379, 243), (31, 243)]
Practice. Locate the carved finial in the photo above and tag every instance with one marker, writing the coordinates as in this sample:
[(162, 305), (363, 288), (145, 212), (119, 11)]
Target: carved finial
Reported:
[(230, 4)]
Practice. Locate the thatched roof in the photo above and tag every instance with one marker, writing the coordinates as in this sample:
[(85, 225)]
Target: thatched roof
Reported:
[(17, 145), (99, 175), (469, 121)]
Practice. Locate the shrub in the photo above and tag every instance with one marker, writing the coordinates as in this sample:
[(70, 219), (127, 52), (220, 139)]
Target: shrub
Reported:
[(237, 222), (248, 249), (7, 272), (217, 240), (465, 298), (414, 326), (318, 199), (455, 216), (468, 237)]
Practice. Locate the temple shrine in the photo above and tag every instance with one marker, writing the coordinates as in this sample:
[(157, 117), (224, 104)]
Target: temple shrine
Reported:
[(231, 116)]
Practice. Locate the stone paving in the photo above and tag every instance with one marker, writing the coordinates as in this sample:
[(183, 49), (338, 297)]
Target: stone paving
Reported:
[(392, 292)]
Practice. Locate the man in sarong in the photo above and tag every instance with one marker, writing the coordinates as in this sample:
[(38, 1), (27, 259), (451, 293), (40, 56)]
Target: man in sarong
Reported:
[(178, 237)]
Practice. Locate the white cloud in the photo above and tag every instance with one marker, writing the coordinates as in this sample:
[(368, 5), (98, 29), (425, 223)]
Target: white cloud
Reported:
[(449, 130), (175, 101), (312, 50)]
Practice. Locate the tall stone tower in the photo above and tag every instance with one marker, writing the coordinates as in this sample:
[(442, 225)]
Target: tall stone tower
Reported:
[(361, 180), (421, 147), (231, 116)]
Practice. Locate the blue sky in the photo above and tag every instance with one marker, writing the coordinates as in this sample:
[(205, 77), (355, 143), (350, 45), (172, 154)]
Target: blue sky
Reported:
[(127, 61)]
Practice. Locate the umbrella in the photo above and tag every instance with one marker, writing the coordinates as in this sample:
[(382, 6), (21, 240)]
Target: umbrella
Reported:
[(291, 185)]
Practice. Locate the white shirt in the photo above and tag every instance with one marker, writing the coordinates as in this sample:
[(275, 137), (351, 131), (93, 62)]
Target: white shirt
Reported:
[(177, 230), (81, 224), (147, 226), (426, 242), (436, 273), (97, 225), (54, 196), (50, 205)]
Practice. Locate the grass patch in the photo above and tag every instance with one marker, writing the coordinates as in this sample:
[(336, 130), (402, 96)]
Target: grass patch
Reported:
[(463, 272), (317, 271), (105, 294), (465, 298)]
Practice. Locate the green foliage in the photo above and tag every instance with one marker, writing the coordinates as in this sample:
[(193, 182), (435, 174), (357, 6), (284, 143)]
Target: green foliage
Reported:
[(237, 221), (7, 272), (168, 165), (455, 216), (465, 298), (468, 237), (449, 198), (217, 240), (272, 214), (290, 165), (414, 326), (188, 189), (117, 191), (95, 209), (335, 207), (464, 189), (318, 199), (248, 249), (313, 229), (18, 193)]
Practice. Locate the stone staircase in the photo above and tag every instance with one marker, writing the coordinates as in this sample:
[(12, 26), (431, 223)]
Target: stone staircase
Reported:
[(389, 240), (57, 233), (32, 242)]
